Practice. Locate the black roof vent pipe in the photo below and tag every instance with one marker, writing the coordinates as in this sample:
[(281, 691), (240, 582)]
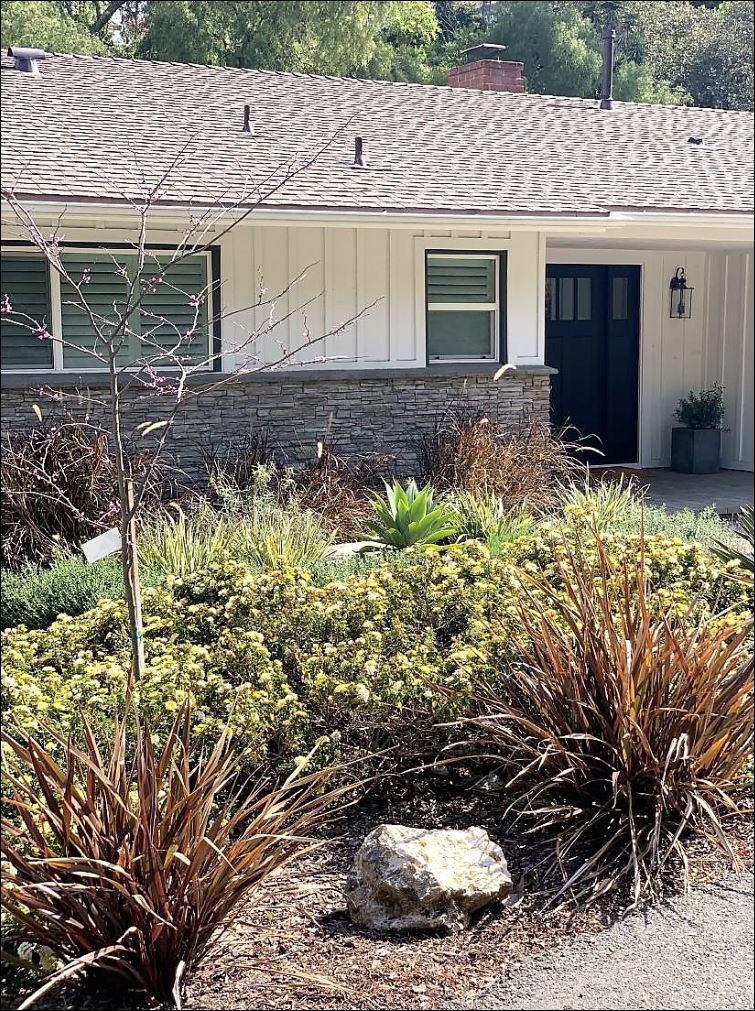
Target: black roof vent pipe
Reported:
[(360, 161), (606, 88), (27, 60), (247, 127)]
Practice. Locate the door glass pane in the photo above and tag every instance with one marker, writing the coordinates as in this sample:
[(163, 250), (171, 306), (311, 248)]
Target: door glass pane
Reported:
[(566, 298), (584, 298), (460, 334), (550, 298), (620, 298)]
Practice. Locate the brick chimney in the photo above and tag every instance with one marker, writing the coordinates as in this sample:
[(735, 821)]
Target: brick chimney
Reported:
[(485, 70)]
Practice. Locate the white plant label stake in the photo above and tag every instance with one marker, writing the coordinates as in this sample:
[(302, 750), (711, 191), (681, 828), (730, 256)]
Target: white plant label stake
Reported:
[(102, 545)]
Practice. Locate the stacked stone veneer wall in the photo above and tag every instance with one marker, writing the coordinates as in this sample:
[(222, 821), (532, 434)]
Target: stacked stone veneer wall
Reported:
[(363, 414)]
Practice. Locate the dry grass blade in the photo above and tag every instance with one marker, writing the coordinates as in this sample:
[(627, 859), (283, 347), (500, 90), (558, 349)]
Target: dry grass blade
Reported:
[(525, 468), (130, 859), (621, 727)]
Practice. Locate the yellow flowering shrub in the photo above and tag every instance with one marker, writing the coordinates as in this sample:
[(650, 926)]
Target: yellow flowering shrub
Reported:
[(394, 650)]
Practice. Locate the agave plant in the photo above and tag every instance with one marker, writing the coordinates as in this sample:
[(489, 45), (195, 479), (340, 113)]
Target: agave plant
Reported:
[(745, 556), (410, 516), (127, 861)]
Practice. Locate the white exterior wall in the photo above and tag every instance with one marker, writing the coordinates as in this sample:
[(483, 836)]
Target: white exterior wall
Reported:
[(715, 345), (728, 352), (351, 267), (375, 271)]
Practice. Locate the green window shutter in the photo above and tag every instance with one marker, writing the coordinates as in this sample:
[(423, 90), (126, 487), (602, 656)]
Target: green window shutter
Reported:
[(169, 319), (105, 294), (26, 285), (460, 279)]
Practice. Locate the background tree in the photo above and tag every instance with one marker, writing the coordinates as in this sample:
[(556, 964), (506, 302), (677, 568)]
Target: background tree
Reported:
[(560, 46), (668, 51), (73, 27), (342, 37), (720, 74)]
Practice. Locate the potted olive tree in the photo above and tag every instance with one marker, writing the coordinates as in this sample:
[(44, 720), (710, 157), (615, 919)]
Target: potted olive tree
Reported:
[(696, 447)]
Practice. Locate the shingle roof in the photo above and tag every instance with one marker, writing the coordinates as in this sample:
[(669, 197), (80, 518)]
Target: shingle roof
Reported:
[(87, 128)]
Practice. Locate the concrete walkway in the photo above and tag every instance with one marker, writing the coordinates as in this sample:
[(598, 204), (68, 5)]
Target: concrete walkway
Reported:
[(726, 492), (694, 953)]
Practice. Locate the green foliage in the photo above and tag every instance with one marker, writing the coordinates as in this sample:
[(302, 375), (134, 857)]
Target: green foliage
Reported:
[(557, 45), (47, 25), (604, 505), (721, 72), (34, 597), (743, 557), (620, 508), (120, 859), (667, 51), (254, 526), (619, 726), (373, 658), (354, 38), (485, 517), (410, 516), (705, 409)]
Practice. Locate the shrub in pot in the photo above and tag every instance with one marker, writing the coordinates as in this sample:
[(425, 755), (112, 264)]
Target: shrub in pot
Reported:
[(696, 447)]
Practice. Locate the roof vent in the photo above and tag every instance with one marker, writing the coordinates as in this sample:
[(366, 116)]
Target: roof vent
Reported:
[(247, 127), (695, 140), (27, 60), (606, 87), (360, 161)]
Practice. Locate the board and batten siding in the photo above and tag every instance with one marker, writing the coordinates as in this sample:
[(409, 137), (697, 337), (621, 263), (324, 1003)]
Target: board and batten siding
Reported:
[(676, 356), (728, 356), (313, 280)]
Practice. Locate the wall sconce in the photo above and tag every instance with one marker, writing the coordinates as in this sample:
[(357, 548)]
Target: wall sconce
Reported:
[(680, 296)]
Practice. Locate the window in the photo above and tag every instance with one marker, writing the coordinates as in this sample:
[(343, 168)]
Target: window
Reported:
[(173, 314), (463, 308), (26, 289)]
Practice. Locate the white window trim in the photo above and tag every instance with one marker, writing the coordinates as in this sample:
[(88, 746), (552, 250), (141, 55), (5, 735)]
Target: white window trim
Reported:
[(56, 313), (492, 307)]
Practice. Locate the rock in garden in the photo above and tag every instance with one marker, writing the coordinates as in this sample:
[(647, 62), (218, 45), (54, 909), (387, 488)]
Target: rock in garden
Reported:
[(425, 879)]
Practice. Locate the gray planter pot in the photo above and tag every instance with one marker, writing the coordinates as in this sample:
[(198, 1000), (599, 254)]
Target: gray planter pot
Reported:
[(696, 450)]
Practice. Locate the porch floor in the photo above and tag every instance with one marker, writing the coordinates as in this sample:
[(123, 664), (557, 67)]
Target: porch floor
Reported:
[(727, 492)]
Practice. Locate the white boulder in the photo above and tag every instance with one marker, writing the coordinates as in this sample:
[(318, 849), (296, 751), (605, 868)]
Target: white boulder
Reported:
[(425, 879)]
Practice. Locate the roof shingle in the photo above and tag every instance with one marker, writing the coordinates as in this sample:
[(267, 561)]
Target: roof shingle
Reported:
[(93, 128)]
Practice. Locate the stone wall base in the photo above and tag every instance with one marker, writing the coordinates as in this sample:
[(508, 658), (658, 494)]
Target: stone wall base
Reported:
[(360, 416)]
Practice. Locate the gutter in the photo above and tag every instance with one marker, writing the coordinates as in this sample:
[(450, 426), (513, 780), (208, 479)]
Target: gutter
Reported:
[(599, 223)]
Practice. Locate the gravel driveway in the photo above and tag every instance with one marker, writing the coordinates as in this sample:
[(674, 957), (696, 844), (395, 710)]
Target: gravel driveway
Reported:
[(694, 952)]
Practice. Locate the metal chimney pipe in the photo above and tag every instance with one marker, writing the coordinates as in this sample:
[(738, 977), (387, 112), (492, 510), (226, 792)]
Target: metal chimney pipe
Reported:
[(606, 89), (247, 127), (359, 159)]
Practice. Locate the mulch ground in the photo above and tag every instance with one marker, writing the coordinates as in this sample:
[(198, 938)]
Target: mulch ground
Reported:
[(293, 946)]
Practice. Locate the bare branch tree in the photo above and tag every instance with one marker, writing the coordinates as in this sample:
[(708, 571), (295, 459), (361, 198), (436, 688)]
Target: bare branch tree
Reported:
[(148, 354)]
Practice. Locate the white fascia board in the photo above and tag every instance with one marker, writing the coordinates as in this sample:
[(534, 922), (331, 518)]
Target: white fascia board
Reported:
[(382, 219)]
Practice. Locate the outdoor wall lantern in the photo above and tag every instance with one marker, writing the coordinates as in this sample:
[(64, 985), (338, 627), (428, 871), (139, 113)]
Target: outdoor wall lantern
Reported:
[(680, 301)]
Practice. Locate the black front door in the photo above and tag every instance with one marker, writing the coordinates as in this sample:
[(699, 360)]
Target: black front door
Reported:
[(592, 336)]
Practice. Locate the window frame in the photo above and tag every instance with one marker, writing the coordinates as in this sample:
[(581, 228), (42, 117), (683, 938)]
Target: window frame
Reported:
[(29, 252), (496, 308), (214, 344)]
